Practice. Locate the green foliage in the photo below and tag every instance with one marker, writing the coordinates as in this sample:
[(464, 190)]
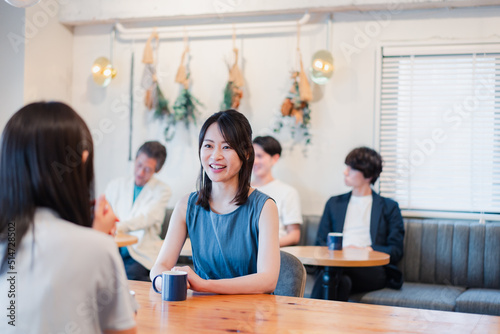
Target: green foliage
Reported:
[(299, 132), (185, 107), (169, 131), (185, 110), (161, 108), (228, 96)]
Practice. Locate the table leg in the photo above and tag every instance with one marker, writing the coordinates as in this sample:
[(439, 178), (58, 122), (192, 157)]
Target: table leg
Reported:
[(331, 278)]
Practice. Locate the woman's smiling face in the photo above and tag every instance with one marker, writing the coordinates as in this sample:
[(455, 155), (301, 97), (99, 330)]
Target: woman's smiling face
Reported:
[(219, 160)]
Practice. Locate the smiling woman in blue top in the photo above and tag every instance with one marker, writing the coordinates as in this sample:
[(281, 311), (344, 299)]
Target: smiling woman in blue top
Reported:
[(233, 227)]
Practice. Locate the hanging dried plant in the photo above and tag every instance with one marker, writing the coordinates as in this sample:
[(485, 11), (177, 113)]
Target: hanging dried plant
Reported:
[(162, 108), (233, 92), (232, 96), (296, 104), (154, 98), (185, 106)]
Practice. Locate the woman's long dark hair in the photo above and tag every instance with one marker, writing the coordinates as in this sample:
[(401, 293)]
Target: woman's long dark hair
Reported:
[(41, 166), (237, 132)]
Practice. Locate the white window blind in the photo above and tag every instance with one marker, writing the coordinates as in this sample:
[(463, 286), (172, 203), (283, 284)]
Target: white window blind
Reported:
[(440, 128)]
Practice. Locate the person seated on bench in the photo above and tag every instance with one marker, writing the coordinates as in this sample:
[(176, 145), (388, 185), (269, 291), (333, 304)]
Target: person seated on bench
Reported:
[(140, 202), (367, 220), (267, 153)]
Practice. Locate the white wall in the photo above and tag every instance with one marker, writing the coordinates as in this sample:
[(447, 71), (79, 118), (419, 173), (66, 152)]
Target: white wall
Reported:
[(342, 114), (11, 60), (48, 56), (36, 57)]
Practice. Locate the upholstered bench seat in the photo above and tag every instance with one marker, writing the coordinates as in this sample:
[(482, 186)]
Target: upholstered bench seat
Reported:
[(416, 295), (447, 265), (484, 301)]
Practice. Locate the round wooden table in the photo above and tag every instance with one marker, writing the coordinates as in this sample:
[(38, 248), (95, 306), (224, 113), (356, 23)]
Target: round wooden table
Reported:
[(334, 260), (123, 240), (348, 257)]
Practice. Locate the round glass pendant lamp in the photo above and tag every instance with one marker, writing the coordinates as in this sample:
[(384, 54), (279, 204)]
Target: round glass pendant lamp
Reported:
[(102, 68), (22, 3), (321, 67), (103, 71)]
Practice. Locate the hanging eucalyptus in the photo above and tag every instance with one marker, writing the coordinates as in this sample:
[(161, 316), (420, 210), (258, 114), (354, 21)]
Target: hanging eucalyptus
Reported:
[(185, 106)]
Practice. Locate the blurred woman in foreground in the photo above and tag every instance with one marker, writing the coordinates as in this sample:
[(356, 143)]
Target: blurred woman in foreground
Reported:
[(68, 276)]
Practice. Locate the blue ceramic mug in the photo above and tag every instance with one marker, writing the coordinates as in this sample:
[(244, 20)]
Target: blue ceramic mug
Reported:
[(173, 285), (335, 241)]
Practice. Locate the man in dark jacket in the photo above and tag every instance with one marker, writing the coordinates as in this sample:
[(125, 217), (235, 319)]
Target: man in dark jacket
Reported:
[(367, 220)]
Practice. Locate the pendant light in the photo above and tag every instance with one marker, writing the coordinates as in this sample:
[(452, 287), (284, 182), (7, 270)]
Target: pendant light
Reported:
[(322, 61), (102, 69)]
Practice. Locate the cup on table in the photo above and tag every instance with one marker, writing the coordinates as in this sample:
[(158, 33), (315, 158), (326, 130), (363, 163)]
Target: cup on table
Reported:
[(334, 240), (173, 285)]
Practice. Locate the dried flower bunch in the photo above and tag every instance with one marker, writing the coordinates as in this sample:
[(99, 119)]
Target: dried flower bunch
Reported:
[(185, 106), (232, 91), (296, 105), (154, 98)]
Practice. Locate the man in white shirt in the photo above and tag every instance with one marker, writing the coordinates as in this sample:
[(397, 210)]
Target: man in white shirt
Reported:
[(140, 204), (368, 221), (267, 153)]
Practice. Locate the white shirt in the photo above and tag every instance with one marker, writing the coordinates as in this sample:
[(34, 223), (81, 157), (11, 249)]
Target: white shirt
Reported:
[(69, 279), (142, 218), (357, 222), (288, 203)]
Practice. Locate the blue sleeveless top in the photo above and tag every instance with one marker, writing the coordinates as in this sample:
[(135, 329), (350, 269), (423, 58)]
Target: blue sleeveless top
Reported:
[(225, 245)]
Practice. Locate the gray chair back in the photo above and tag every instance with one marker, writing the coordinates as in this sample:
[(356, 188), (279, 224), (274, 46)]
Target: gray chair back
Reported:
[(166, 221), (292, 279), (309, 230)]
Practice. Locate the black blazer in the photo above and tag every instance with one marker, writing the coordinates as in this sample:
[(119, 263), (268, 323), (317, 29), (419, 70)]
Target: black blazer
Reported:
[(386, 224)]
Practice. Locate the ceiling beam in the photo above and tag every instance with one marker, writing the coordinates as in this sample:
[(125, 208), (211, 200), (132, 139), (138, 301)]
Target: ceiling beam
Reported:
[(81, 12)]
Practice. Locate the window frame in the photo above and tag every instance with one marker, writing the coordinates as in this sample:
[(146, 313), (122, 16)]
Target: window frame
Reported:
[(446, 47)]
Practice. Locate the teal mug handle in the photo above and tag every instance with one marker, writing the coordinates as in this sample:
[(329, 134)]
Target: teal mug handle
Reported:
[(154, 286)]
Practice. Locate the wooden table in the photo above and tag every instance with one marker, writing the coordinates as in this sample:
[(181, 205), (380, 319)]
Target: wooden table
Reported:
[(279, 314), (335, 260), (123, 240), (348, 257)]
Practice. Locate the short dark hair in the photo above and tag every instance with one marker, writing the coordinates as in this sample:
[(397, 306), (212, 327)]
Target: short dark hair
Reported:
[(41, 165), (367, 161), (269, 144), (154, 150), (237, 132)]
